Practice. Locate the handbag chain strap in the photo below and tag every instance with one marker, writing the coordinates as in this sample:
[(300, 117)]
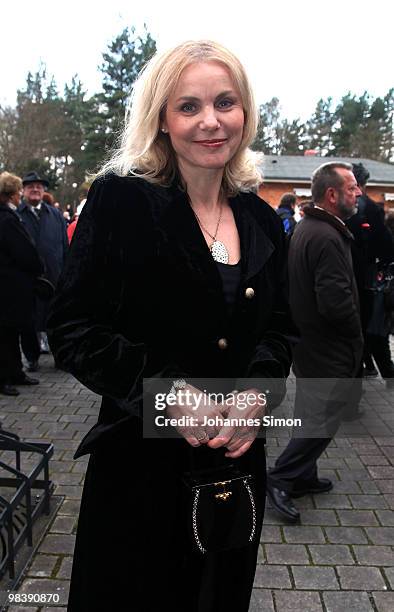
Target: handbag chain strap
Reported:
[(222, 496)]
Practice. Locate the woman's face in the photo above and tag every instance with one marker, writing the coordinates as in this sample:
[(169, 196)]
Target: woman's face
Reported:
[(15, 199), (204, 117)]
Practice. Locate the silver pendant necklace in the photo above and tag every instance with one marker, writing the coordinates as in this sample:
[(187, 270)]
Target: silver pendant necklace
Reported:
[(218, 250)]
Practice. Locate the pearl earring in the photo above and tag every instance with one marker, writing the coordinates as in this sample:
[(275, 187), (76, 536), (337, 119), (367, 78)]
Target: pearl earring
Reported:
[(164, 130)]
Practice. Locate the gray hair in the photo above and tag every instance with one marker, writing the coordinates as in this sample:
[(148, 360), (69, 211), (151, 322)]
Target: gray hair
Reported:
[(326, 176)]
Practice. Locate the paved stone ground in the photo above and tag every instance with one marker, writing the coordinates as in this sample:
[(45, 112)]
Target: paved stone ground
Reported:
[(340, 558)]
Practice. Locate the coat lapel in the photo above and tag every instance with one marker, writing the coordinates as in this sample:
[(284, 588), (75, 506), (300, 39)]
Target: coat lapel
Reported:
[(256, 247)]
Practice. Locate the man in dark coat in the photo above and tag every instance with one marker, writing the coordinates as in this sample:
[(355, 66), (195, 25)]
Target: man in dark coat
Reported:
[(324, 304), (372, 250), (47, 228)]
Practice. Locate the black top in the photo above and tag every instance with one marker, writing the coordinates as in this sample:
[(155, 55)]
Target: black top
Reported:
[(231, 279)]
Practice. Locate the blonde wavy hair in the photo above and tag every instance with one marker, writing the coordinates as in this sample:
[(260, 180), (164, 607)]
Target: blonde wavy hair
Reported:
[(145, 151)]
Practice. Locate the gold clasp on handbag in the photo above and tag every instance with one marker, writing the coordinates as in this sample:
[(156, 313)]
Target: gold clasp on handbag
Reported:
[(224, 495)]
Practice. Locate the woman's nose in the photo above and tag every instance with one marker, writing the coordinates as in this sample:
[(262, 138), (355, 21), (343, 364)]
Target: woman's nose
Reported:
[(209, 120)]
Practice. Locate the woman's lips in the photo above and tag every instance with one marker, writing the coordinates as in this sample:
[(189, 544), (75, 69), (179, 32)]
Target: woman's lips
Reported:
[(214, 143)]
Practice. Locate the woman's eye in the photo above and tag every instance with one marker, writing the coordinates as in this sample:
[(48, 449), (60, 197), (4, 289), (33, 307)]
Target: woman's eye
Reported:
[(188, 107), (226, 103)]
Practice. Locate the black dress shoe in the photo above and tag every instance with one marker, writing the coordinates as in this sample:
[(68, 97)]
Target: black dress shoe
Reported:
[(24, 379), (321, 485), (281, 502), (8, 390)]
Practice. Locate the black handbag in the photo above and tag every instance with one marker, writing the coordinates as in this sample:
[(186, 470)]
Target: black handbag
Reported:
[(222, 509)]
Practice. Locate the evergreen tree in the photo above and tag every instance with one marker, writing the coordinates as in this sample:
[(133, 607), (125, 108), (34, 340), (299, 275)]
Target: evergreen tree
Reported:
[(351, 116), (122, 62), (267, 134), (291, 137), (319, 128)]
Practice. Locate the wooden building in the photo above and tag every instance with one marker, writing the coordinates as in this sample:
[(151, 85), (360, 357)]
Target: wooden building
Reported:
[(292, 174)]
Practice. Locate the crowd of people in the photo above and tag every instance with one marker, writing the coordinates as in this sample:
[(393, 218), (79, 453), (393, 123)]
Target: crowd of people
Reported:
[(177, 271)]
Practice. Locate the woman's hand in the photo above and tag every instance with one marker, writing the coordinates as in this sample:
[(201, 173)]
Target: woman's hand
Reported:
[(197, 407), (249, 404)]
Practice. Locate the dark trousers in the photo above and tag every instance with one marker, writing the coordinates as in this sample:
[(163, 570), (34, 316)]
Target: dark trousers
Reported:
[(30, 343), (10, 355), (379, 348), (296, 467), (321, 404)]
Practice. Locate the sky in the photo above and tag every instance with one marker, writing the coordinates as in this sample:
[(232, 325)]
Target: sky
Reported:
[(298, 51)]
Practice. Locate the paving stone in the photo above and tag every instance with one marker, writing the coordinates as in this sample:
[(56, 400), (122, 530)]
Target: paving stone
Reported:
[(374, 460), (346, 487), (319, 517), (261, 554), (361, 474), (58, 544), (390, 500), (346, 535), (296, 601), (360, 518), (261, 599), (332, 501), (67, 478), (381, 471), (65, 569), (272, 577), (331, 554), (72, 492), (315, 578), (384, 601), (79, 467), (42, 566), (389, 572), (286, 554), (270, 533), (351, 601), (63, 524), (374, 555), (381, 535), (386, 517), (369, 487), (303, 535), (386, 486), (70, 507), (368, 502), (361, 578), (56, 466)]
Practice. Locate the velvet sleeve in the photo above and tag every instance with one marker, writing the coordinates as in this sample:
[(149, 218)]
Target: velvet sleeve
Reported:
[(81, 328)]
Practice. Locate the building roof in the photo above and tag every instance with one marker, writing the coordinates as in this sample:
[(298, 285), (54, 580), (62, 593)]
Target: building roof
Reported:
[(299, 168)]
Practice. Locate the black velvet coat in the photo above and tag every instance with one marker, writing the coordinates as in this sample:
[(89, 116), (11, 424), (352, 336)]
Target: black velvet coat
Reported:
[(140, 297)]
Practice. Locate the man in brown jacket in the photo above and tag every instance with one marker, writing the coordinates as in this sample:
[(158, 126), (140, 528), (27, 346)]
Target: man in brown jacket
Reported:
[(325, 307)]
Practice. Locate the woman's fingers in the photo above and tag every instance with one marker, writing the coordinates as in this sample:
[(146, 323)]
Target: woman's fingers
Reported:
[(238, 453)]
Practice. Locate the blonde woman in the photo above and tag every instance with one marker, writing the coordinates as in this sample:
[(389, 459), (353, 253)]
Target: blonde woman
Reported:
[(175, 272)]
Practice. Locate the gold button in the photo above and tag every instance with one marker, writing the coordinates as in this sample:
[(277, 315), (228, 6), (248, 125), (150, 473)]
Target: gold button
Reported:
[(249, 293), (222, 343)]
